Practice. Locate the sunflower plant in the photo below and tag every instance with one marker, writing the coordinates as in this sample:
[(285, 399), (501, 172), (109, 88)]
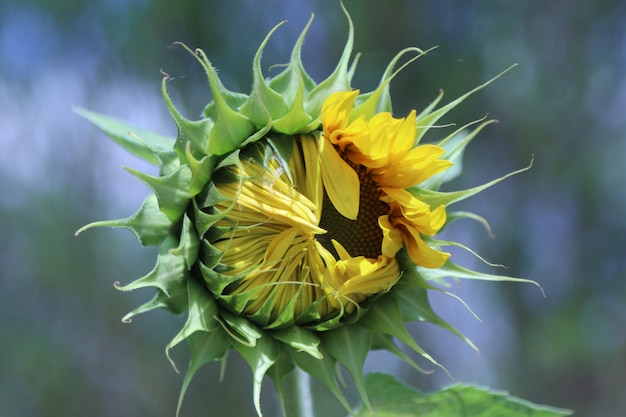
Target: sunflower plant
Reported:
[(298, 225)]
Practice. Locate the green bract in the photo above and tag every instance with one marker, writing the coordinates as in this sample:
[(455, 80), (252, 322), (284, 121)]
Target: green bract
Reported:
[(179, 218)]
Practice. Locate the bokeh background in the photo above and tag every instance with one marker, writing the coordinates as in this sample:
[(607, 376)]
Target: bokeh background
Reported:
[(63, 348)]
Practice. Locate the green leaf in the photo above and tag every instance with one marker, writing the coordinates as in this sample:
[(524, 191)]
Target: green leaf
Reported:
[(142, 143), (391, 398)]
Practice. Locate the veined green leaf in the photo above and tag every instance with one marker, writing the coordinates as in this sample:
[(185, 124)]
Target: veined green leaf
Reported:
[(391, 398)]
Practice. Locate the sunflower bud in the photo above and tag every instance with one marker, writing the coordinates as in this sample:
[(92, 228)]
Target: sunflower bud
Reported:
[(297, 224)]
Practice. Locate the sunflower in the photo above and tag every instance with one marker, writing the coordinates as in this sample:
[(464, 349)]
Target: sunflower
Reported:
[(298, 224), (312, 223)]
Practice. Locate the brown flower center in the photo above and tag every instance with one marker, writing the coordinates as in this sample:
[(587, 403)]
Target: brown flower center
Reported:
[(360, 237)]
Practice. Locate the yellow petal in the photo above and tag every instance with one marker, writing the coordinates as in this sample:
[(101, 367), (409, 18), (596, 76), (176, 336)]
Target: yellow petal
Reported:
[(340, 180), (419, 252), (337, 109), (392, 238)]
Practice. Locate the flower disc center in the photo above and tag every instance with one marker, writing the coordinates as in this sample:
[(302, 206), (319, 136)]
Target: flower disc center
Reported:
[(360, 237)]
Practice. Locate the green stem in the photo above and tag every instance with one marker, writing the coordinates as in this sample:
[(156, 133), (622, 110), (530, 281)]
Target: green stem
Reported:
[(298, 396)]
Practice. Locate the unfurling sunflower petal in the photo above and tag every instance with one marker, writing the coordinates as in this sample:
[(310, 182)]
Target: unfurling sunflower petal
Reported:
[(340, 180)]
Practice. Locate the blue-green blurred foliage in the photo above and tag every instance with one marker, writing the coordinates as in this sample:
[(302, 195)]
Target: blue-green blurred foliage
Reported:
[(63, 349)]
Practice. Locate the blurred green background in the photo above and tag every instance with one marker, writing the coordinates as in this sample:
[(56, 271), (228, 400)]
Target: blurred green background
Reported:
[(63, 348)]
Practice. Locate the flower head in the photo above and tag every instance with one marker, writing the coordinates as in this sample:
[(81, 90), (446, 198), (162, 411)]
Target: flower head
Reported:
[(297, 224)]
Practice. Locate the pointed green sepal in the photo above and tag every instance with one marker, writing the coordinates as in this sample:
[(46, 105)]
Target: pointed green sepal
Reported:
[(169, 273), (205, 347), (175, 302), (148, 224), (349, 345), (426, 120), (454, 146), (438, 198), (379, 100), (240, 329), (201, 316), (453, 216), (192, 135), (386, 342), (231, 127), (264, 104), (294, 84), (201, 170), (323, 369), (339, 80), (280, 374), (172, 191), (189, 244), (299, 338), (385, 316), (452, 270), (260, 358), (416, 307)]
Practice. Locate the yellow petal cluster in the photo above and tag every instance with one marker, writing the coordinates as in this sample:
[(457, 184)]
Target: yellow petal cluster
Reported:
[(384, 146)]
